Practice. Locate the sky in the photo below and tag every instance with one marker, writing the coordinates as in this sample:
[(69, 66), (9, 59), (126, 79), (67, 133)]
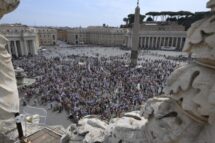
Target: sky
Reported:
[(76, 13)]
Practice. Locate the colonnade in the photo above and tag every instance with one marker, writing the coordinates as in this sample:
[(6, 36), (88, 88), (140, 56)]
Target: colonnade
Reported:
[(20, 48), (157, 42)]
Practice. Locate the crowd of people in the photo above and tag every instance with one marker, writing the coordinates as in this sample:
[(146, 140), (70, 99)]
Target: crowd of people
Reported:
[(103, 86)]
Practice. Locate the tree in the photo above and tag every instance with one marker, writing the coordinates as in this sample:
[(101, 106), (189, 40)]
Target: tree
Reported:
[(172, 19), (142, 17), (153, 14), (149, 19), (125, 20), (130, 19), (187, 19), (184, 18)]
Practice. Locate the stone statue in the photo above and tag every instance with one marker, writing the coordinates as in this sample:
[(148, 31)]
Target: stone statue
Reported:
[(9, 100), (7, 6), (186, 114)]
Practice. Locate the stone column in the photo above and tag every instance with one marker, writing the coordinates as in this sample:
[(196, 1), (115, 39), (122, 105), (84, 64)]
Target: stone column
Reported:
[(148, 45), (156, 42), (160, 42), (152, 42), (21, 48), (9, 48), (164, 43), (26, 48), (176, 44), (141, 42), (173, 42), (15, 49), (22, 43), (144, 42), (168, 41), (34, 47), (181, 43)]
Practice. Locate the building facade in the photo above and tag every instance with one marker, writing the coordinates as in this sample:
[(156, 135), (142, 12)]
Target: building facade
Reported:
[(107, 36), (98, 35), (77, 36), (154, 35), (23, 40), (62, 34), (47, 36), (160, 36)]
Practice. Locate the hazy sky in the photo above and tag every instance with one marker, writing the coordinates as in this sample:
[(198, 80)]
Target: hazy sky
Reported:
[(76, 13)]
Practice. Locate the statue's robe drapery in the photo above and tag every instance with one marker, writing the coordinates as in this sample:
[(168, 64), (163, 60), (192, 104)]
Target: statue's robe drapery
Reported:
[(9, 100)]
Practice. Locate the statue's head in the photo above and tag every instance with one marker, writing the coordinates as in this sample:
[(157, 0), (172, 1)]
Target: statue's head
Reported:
[(192, 86), (211, 4), (7, 6), (200, 38), (168, 122)]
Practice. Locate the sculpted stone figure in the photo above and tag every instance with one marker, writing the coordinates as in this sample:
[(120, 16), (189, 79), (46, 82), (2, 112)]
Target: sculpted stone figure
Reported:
[(187, 112), (194, 84), (7, 6), (9, 100)]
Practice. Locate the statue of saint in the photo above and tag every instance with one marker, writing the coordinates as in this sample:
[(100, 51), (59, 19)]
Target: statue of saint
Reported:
[(9, 100)]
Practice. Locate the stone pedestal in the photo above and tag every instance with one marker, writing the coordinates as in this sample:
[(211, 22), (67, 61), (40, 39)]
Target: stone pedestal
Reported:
[(20, 76)]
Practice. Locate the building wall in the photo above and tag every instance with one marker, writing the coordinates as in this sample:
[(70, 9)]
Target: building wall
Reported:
[(152, 36), (62, 35), (104, 36), (22, 39), (161, 26), (162, 39), (77, 36), (160, 36), (47, 36)]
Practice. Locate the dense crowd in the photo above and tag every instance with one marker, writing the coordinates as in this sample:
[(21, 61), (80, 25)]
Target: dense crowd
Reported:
[(83, 85)]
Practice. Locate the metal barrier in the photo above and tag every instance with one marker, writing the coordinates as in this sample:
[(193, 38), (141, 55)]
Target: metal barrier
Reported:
[(34, 116), (31, 111)]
